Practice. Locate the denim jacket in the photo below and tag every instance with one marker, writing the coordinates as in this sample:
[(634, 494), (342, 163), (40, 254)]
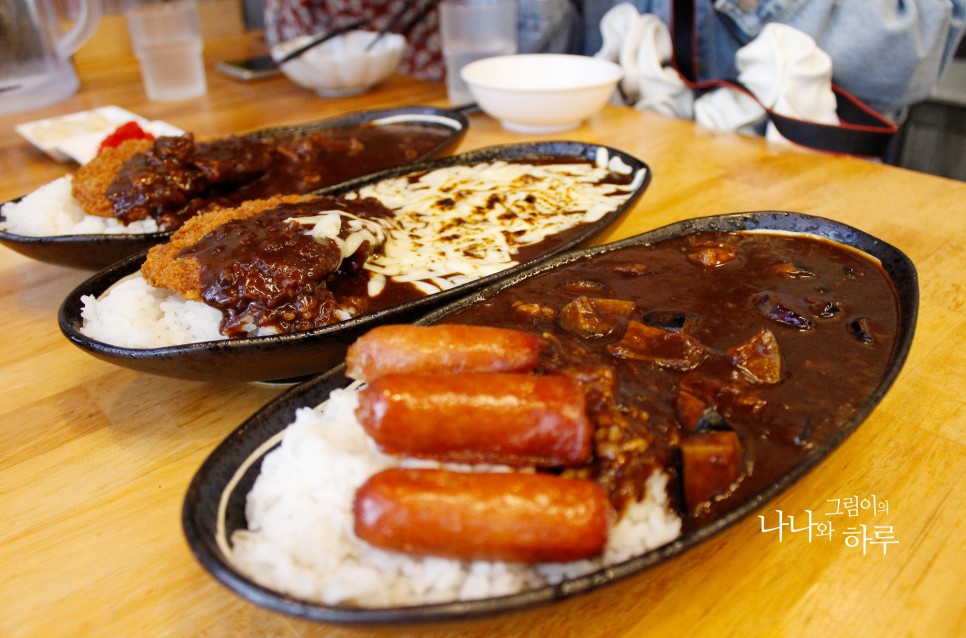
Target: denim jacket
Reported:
[(888, 53)]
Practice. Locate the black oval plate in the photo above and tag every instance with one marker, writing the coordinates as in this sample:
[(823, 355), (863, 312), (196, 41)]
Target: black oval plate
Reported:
[(295, 355), (214, 506), (93, 252)]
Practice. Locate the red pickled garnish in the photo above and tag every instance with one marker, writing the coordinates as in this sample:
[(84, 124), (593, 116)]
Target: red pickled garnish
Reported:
[(123, 133)]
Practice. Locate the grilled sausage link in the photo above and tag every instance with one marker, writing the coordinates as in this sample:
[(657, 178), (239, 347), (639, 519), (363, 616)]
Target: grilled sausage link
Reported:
[(516, 419), (441, 348), (482, 516)]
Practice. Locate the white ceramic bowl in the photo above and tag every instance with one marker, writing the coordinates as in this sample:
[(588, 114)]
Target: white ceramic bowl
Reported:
[(541, 92), (342, 66)]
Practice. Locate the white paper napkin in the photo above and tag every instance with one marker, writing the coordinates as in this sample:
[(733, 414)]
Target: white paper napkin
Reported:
[(641, 44), (787, 71)]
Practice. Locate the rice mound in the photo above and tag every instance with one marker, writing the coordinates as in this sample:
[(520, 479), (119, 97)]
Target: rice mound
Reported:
[(52, 210), (300, 537), (136, 315)]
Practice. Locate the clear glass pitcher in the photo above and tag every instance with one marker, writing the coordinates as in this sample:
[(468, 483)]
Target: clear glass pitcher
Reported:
[(37, 40)]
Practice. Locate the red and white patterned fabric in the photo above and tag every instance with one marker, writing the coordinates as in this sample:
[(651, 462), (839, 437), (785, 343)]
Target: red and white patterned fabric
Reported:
[(286, 19)]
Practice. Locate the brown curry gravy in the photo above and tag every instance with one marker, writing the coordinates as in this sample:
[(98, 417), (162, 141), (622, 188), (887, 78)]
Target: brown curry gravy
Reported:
[(833, 311), (264, 271)]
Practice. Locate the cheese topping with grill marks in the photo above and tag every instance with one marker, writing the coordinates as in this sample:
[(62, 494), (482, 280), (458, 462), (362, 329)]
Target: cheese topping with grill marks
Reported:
[(459, 223)]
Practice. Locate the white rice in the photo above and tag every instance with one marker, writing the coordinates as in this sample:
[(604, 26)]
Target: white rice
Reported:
[(300, 538), (52, 210), (132, 314)]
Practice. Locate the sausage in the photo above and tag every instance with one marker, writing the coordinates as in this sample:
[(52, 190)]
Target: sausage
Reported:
[(482, 516), (441, 348), (511, 418)]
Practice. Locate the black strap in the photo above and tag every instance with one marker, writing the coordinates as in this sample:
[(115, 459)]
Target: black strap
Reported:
[(861, 130)]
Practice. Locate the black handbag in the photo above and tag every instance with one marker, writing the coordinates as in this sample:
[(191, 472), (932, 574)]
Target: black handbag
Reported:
[(861, 130)]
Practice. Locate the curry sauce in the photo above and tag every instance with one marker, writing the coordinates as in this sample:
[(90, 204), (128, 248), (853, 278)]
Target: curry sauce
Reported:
[(725, 358)]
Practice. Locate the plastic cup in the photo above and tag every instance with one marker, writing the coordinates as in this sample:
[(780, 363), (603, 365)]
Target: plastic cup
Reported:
[(472, 30), (167, 43)]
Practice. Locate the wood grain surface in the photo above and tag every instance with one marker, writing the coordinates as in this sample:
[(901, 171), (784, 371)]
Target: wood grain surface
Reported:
[(95, 459)]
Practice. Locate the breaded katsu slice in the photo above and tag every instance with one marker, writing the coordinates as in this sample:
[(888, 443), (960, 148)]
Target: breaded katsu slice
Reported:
[(91, 180), (267, 264), (175, 177), (164, 268)]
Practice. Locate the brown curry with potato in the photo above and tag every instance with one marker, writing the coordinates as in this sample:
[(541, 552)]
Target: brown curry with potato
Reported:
[(725, 358)]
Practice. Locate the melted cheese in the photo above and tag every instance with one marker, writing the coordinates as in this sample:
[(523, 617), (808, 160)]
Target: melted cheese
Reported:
[(329, 225), (457, 224)]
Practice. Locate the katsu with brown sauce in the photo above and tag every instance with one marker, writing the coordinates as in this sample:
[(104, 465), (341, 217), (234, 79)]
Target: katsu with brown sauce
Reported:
[(262, 270), (170, 179)]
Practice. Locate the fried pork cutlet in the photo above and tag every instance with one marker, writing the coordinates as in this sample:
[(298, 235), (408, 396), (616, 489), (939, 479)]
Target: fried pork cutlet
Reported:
[(163, 181), (261, 269), (165, 268), (174, 178), (91, 180), (158, 179)]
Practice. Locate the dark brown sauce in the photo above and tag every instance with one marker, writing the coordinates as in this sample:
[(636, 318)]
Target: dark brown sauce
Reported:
[(178, 178), (264, 271), (832, 310)]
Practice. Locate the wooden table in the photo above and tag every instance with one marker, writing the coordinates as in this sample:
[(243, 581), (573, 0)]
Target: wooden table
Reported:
[(95, 460)]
